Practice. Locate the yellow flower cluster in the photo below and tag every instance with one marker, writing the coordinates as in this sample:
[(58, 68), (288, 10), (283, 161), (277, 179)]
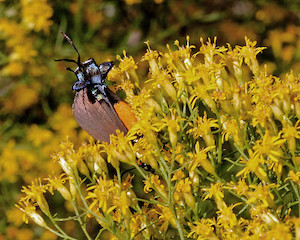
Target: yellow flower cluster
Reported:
[(35, 16), (216, 144)]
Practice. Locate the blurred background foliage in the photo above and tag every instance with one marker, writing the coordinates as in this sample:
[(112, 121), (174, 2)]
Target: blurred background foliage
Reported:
[(35, 91)]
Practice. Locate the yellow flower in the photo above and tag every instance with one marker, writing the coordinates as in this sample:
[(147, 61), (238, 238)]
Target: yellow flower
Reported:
[(261, 195), (241, 188), (179, 152), (226, 218), (269, 149), (13, 31), (57, 182), (137, 226), (166, 217), (127, 70), (8, 164), (112, 158), (173, 126), (163, 81), (35, 193), (296, 222), (183, 187), (202, 128), (21, 48), (122, 202), (210, 51), (201, 91), (102, 194), (180, 67), (180, 56), (249, 53), (146, 153), (234, 62), (279, 231), (38, 136), (13, 68), (155, 182), (122, 148), (261, 114), (295, 177), (14, 216), (36, 15), (290, 134), (216, 190), (145, 101), (20, 99), (151, 57), (253, 164), (269, 218), (232, 129), (63, 120), (147, 127), (29, 210), (199, 158), (24, 52), (91, 154), (178, 175), (67, 157), (202, 230)]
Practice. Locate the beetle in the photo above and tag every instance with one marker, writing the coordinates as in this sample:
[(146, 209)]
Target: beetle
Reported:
[(98, 110)]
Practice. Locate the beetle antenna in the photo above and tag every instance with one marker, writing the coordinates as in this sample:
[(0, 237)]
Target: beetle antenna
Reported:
[(67, 60), (72, 44)]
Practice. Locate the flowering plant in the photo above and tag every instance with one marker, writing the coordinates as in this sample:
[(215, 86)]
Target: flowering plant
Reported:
[(219, 132)]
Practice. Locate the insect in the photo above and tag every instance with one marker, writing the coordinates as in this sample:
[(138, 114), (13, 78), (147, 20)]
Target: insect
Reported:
[(145, 166), (98, 110)]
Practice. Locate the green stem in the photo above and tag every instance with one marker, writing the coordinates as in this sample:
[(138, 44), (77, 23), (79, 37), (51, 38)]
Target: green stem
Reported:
[(61, 235), (80, 222), (77, 185), (296, 191), (61, 232)]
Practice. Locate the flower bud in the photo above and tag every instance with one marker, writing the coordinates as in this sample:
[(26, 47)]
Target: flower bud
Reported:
[(37, 219), (132, 198), (153, 104), (209, 140), (208, 167), (73, 189), (151, 137), (43, 204), (227, 107), (269, 219), (297, 109), (278, 114), (82, 167), (65, 166), (194, 176), (237, 103), (189, 199), (169, 89), (101, 164)]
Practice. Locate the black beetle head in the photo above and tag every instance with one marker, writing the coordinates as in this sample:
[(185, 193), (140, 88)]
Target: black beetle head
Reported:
[(92, 72), (88, 73)]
